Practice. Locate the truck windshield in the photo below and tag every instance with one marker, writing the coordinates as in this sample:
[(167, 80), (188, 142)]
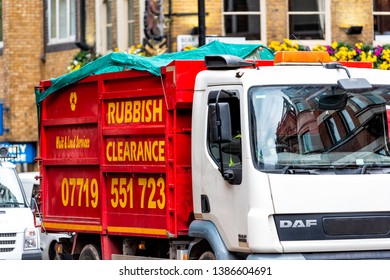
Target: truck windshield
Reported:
[(10, 191), (289, 130)]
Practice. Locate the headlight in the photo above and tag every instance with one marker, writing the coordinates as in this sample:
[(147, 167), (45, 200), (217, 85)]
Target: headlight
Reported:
[(31, 239)]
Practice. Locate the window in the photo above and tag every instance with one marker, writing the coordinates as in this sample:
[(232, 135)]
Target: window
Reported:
[(109, 45), (225, 143), (244, 18), (347, 119), (333, 130), (309, 20), (61, 21), (130, 23), (382, 20)]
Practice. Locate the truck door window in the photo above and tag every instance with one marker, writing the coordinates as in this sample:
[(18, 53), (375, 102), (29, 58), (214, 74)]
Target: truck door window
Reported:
[(230, 150)]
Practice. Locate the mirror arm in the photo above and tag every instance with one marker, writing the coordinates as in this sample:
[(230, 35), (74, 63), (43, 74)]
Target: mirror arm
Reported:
[(339, 66)]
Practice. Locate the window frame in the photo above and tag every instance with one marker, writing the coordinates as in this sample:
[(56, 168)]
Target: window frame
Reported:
[(379, 13), (126, 35), (70, 38), (108, 25), (261, 13), (328, 24)]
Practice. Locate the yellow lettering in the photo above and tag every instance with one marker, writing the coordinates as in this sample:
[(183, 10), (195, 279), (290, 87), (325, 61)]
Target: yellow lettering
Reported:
[(79, 192), (143, 111), (109, 151), (126, 152), (128, 115), (119, 112), (133, 149), (137, 111), (140, 152), (148, 151), (148, 115), (155, 155), (157, 109), (110, 113), (161, 149), (120, 151)]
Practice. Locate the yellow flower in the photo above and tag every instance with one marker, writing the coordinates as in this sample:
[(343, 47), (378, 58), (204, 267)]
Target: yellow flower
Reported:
[(359, 45), (334, 45)]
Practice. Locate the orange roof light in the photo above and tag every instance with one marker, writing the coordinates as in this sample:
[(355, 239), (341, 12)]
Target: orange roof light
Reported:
[(287, 57)]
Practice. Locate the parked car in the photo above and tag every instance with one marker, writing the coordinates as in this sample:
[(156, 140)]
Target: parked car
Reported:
[(48, 241)]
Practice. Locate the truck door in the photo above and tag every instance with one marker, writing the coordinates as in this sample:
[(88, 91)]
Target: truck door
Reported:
[(222, 164)]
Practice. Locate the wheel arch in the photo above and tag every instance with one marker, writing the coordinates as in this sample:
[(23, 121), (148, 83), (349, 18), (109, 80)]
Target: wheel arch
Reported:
[(207, 238)]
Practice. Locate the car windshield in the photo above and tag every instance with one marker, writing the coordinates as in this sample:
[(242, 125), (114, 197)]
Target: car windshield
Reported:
[(10, 191), (290, 129)]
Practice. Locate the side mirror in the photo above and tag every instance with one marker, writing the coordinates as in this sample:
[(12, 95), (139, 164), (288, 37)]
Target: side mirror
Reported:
[(219, 118), (354, 84), (36, 213)]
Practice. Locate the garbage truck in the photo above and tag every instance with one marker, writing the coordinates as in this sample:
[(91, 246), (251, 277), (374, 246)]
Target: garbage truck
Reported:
[(217, 154)]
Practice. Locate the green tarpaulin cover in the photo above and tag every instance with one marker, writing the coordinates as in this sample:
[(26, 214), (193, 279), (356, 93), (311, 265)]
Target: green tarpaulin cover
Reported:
[(118, 61)]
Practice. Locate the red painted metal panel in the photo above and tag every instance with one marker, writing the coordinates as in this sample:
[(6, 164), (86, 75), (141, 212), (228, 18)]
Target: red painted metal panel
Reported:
[(136, 204), (71, 141), (72, 195), (78, 100)]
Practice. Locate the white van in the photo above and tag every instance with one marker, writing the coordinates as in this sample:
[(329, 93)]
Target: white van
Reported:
[(19, 238), (31, 187)]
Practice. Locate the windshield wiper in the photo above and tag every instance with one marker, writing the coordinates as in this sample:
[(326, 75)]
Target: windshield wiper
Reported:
[(11, 203), (368, 166), (291, 169)]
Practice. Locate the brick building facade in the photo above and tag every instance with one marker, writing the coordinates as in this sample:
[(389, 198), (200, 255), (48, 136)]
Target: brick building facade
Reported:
[(33, 51)]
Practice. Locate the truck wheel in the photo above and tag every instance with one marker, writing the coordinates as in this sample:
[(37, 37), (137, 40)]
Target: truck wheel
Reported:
[(90, 252), (208, 255)]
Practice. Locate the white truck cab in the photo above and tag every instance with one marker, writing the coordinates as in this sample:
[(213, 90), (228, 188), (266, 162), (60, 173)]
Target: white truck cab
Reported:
[(31, 186), (19, 238), (308, 178)]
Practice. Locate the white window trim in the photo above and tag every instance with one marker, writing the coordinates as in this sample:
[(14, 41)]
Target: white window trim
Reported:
[(69, 38), (328, 26), (123, 25), (263, 21), (98, 24), (101, 24), (121, 6), (141, 20)]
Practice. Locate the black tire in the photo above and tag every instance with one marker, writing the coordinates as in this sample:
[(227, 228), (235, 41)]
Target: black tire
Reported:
[(208, 255), (90, 252)]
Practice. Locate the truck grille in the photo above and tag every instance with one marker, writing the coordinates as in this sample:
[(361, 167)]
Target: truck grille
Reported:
[(7, 242), (356, 225), (324, 226)]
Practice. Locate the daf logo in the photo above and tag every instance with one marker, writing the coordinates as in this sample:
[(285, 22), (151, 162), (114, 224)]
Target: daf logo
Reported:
[(297, 223)]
